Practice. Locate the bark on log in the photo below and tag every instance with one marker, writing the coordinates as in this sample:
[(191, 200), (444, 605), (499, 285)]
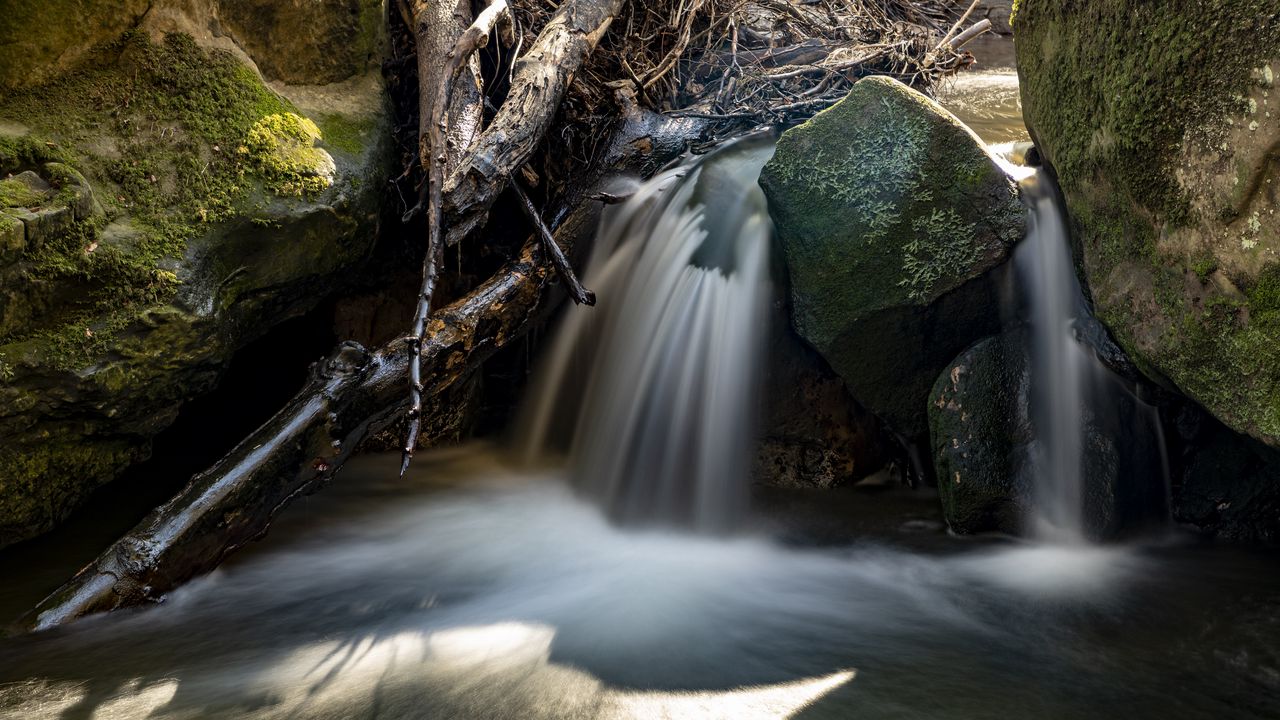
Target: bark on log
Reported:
[(437, 26), (434, 154), (539, 82), (349, 395)]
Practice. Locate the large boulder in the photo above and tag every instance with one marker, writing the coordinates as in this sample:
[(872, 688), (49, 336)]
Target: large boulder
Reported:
[(1157, 118), (891, 214), (162, 204)]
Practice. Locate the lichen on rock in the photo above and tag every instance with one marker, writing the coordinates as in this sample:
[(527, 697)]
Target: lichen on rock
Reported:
[(890, 212)]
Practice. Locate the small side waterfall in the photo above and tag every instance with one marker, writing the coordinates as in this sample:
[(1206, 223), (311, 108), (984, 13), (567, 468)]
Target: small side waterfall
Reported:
[(1097, 440), (651, 394), (1060, 369)]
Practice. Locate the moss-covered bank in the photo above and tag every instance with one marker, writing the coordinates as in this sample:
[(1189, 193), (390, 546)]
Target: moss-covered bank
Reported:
[(190, 208), (1160, 119)]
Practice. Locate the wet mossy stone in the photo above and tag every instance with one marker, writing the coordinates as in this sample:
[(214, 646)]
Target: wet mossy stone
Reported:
[(983, 429), (981, 435), (1161, 120), (890, 213), (190, 209)]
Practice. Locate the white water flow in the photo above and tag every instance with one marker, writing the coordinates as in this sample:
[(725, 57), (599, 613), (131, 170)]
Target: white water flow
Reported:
[(1060, 368), (654, 388)]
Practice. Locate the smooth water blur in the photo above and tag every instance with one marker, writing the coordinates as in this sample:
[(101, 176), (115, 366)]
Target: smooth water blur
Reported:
[(1060, 368), (989, 102), (651, 394), (474, 591)]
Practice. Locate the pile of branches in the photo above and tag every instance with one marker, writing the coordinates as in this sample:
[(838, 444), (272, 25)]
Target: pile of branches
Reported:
[(752, 62), (734, 63), (521, 109)]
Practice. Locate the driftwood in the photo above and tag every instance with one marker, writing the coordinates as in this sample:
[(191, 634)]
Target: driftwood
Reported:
[(350, 395), (434, 153), (539, 82)]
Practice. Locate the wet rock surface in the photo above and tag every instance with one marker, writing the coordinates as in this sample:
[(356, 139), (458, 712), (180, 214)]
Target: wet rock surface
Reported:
[(986, 446), (163, 206), (891, 215), (813, 434)]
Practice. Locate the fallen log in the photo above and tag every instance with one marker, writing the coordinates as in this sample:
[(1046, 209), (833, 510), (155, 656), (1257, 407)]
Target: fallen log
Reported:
[(350, 395), (538, 83)]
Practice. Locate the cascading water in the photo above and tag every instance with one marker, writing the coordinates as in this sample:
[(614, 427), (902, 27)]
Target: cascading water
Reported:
[(1059, 366), (1079, 406), (654, 387)]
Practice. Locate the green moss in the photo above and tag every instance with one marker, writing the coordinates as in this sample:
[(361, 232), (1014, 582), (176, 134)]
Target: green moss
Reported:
[(16, 194), (1136, 107), (24, 152), (347, 134), (1204, 266), (157, 128), (283, 147), (1114, 91), (43, 483)]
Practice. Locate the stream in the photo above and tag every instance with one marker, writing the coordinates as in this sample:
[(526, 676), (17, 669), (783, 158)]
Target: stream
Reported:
[(480, 586), (476, 591)]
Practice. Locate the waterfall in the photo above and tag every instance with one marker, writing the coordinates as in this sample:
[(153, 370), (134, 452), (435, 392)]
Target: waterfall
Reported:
[(651, 394), (1085, 415), (1060, 368)]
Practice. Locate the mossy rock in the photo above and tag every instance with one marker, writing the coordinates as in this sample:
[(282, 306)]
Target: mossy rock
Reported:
[(890, 213), (201, 208), (980, 435), (989, 456), (1160, 119)]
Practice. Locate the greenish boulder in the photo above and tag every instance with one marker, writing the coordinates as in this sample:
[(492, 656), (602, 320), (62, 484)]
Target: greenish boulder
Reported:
[(891, 213), (161, 206), (1158, 119)]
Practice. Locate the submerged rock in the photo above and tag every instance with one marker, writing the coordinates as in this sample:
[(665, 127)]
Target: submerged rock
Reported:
[(162, 206), (890, 213), (1159, 121)]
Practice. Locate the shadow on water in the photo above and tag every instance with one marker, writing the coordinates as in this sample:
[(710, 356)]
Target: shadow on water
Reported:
[(259, 379), (475, 591)]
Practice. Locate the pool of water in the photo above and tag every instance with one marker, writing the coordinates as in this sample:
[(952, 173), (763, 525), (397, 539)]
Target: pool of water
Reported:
[(472, 591)]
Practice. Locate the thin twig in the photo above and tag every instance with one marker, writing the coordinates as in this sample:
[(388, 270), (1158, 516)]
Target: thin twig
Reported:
[(474, 37), (551, 249)]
